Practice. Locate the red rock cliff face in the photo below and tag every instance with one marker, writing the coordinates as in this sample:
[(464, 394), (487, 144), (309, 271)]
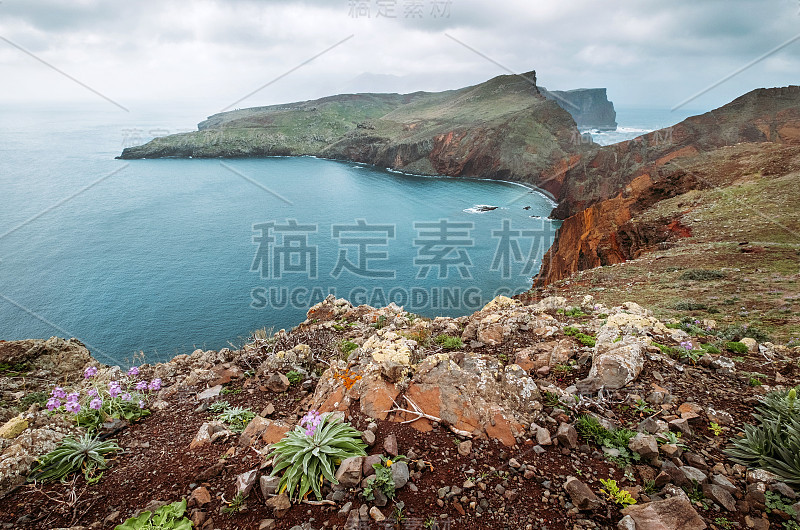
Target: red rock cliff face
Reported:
[(600, 193)]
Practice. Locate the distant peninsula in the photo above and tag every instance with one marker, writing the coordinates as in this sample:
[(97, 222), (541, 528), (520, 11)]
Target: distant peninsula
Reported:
[(506, 128)]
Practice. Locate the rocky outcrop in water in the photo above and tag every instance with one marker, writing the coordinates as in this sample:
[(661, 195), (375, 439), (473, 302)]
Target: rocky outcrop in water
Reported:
[(589, 107)]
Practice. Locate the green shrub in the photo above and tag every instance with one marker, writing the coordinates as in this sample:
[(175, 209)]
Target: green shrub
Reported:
[(236, 418), (586, 340), (347, 346), (86, 454), (702, 275), (39, 398), (688, 305), (773, 444), (383, 479), (710, 348), (308, 453), (294, 377), (448, 342), (168, 517), (736, 347), (574, 312), (590, 429), (736, 332), (616, 495)]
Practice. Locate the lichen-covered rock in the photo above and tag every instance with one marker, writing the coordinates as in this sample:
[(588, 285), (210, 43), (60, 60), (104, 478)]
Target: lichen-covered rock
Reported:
[(615, 364), (13, 427), (501, 302), (470, 393), (542, 354), (389, 346), (17, 455)]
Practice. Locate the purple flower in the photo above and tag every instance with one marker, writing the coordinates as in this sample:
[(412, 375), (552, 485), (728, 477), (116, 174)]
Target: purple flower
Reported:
[(141, 404), (92, 392), (687, 345), (59, 393), (114, 389), (90, 372), (96, 404), (73, 407), (73, 398), (311, 421), (155, 384), (133, 370), (126, 397), (53, 404), (141, 385)]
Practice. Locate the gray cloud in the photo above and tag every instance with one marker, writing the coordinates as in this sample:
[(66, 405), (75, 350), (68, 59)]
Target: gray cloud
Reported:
[(647, 53)]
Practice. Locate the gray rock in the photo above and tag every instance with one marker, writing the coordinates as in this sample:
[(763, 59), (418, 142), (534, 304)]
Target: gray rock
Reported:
[(465, 448), (209, 393), (581, 495), (783, 489), (368, 437), (644, 444), (380, 498), (277, 382), (344, 511), (652, 426), (245, 482), (681, 425), (693, 474), (722, 481), (366, 467), (269, 485), (280, 504), (724, 365), (349, 472), (376, 515), (543, 436), (353, 520), (400, 474), (615, 364), (671, 450), (567, 435), (390, 445), (626, 523), (720, 495)]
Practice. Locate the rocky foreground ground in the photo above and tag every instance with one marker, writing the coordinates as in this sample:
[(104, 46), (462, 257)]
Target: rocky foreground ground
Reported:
[(490, 410)]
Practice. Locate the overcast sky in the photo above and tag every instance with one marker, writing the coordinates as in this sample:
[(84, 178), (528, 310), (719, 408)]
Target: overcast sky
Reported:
[(209, 54)]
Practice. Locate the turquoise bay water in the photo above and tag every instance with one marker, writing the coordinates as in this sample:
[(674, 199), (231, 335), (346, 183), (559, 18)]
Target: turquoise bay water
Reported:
[(163, 256)]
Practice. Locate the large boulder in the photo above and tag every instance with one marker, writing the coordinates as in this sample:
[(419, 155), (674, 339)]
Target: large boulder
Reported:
[(470, 393), (675, 513)]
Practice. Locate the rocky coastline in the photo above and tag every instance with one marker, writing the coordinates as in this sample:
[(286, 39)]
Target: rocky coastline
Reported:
[(489, 411)]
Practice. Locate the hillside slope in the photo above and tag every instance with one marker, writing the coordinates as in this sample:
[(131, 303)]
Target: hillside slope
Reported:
[(501, 129), (602, 194)]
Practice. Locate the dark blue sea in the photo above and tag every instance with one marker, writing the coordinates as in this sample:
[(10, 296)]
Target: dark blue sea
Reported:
[(164, 256)]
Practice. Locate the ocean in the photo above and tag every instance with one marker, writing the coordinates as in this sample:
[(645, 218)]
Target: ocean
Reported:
[(635, 121), (153, 258)]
